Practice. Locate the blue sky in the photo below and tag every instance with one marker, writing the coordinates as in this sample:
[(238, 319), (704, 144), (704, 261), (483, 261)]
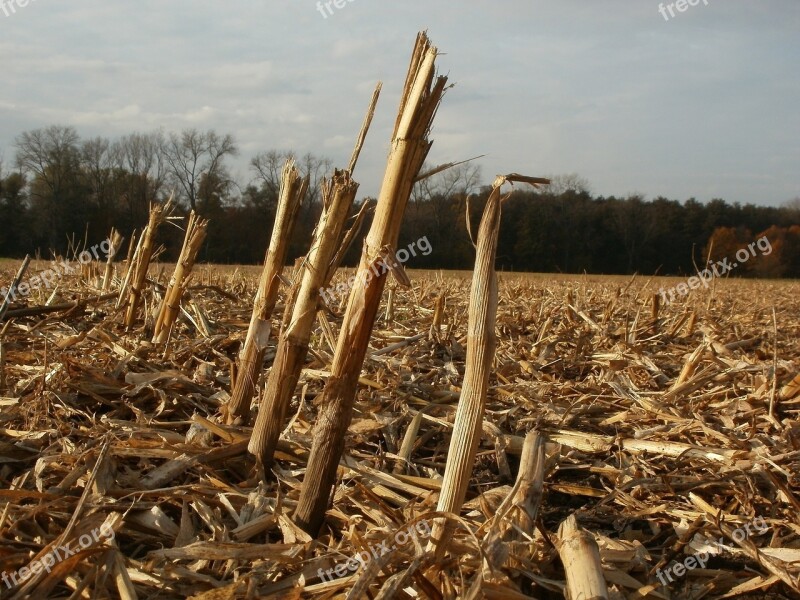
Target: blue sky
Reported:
[(703, 105)]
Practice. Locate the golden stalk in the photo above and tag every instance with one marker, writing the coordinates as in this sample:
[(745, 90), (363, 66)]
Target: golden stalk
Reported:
[(196, 229), (115, 239), (481, 342), (293, 189), (144, 252), (581, 559), (133, 247), (312, 275), (421, 96), (293, 341), (530, 483)]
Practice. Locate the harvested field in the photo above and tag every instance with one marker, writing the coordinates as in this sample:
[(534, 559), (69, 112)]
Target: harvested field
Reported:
[(670, 437)]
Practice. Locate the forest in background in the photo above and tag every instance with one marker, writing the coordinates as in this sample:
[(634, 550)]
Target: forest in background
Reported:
[(61, 189)]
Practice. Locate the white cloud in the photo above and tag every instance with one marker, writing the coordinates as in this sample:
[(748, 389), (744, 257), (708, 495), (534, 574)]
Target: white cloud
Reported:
[(609, 90)]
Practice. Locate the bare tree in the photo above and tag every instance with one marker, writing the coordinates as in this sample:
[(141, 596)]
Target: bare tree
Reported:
[(141, 156), (461, 181), (269, 166), (316, 168), (570, 182), (456, 182), (51, 154), (194, 155), (442, 189), (97, 162)]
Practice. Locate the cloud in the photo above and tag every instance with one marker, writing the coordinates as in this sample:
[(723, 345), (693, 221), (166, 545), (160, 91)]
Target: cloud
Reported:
[(610, 91)]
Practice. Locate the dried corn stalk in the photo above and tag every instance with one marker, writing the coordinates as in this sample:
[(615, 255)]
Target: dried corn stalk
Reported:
[(196, 229), (421, 96), (314, 273), (144, 252), (293, 189), (581, 559), (115, 239), (481, 342), (17, 279), (530, 484), (133, 246), (338, 195)]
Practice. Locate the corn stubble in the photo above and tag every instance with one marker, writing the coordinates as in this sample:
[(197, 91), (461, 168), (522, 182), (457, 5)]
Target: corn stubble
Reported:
[(139, 265), (314, 273), (293, 190), (422, 93), (481, 345), (196, 230), (115, 240)]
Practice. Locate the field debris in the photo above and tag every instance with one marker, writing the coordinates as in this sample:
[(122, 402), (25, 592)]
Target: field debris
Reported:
[(96, 424)]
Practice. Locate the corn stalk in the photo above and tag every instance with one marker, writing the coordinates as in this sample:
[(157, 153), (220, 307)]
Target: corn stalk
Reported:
[(141, 259), (293, 189), (481, 343), (133, 246), (581, 559), (115, 239), (196, 229), (338, 195), (421, 96)]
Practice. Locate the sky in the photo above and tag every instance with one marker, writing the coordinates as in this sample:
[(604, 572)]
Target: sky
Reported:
[(701, 104)]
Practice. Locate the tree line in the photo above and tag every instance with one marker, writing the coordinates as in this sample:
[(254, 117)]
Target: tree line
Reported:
[(61, 187)]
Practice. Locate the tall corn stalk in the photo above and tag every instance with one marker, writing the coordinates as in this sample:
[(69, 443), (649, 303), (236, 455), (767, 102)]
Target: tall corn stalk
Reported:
[(481, 343), (338, 195), (196, 229), (421, 96), (315, 272), (293, 189)]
